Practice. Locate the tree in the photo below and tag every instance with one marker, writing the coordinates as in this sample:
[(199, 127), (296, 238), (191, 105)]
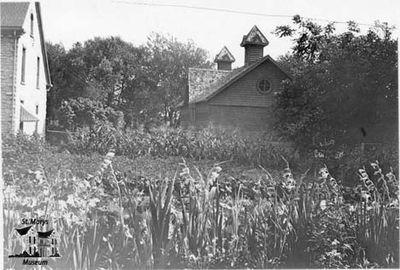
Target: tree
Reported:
[(146, 83), (170, 61), (345, 85), (85, 112)]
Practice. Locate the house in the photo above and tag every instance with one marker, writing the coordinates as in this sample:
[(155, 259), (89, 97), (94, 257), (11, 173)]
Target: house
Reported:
[(240, 98), (25, 76), (34, 243)]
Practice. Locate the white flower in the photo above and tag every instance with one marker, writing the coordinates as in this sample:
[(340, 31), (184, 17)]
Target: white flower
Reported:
[(110, 155), (322, 204), (335, 242)]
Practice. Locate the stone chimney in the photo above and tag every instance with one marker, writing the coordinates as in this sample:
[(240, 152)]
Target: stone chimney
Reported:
[(224, 59), (253, 43)]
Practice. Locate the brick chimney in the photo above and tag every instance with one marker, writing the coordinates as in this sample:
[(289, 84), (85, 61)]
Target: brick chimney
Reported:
[(224, 59), (253, 43)]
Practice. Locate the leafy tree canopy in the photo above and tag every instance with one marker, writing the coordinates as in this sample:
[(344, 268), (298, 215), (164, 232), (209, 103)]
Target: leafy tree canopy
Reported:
[(345, 85), (145, 83)]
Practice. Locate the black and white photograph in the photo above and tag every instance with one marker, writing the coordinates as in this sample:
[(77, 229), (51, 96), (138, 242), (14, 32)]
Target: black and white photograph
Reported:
[(199, 134)]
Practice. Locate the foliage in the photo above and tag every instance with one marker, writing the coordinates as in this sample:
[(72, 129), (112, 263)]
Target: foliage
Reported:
[(107, 219), (145, 83), (170, 61), (344, 87), (211, 143), (84, 112)]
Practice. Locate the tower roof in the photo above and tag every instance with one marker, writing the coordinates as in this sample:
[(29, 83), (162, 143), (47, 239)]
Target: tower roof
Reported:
[(45, 234), (24, 230), (224, 56), (254, 37)]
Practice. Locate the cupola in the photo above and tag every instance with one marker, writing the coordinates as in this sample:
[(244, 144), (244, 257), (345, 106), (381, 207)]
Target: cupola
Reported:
[(253, 43), (224, 59)]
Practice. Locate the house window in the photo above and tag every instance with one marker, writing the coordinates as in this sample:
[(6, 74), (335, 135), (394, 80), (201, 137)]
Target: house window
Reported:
[(21, 126), (30, 240), (23, 65), (37, 109), (37, 72), (31, 25), (264, 86)]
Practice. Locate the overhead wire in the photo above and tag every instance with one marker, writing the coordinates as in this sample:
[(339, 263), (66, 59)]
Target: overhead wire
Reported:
[(226, 11)]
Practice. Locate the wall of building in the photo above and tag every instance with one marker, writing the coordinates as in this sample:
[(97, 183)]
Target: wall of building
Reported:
[(241, 105), (28, 92), (8, 63), (246, 118), (244, 91), (242, 117)]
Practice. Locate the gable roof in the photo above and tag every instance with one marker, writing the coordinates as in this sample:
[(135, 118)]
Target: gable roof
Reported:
[(13, 14), (203, 81), (45, 234), (24, 230), (224, 56), (254, 37), (206, 83)]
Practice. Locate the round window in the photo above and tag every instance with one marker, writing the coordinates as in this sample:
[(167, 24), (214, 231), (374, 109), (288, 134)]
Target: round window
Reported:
[(264, 86)]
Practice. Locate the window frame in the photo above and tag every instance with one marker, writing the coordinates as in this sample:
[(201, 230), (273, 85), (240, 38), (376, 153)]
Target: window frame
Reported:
[(263, 91), (23, 66), (38, 72), (31, 29)]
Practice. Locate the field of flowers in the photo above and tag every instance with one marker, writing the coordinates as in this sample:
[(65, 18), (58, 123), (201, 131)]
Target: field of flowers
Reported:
[(122, 208)]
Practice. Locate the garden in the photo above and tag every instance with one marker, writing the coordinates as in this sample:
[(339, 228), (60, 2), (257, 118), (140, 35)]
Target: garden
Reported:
[(126, 188), (164, 202)]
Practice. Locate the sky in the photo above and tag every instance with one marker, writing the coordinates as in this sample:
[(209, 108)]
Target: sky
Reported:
[(70, 21)]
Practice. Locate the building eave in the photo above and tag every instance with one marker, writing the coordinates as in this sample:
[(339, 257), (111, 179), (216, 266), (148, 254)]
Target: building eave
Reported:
[(16, 30), (43, 47)]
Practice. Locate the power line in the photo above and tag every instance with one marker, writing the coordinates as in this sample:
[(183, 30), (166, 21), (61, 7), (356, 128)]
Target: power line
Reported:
[(227, 11)]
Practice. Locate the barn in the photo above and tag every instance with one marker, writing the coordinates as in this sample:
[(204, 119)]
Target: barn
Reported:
[(237, 98)]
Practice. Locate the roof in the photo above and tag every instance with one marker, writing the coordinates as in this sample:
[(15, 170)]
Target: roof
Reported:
[(224, 56), (13, 14), (206, 83), (254, 37), (26, 116), (45, 234), (203, 81), (24, 230)]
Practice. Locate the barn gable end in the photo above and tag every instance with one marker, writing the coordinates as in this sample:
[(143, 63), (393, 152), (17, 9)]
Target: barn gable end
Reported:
[(240, 98)]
